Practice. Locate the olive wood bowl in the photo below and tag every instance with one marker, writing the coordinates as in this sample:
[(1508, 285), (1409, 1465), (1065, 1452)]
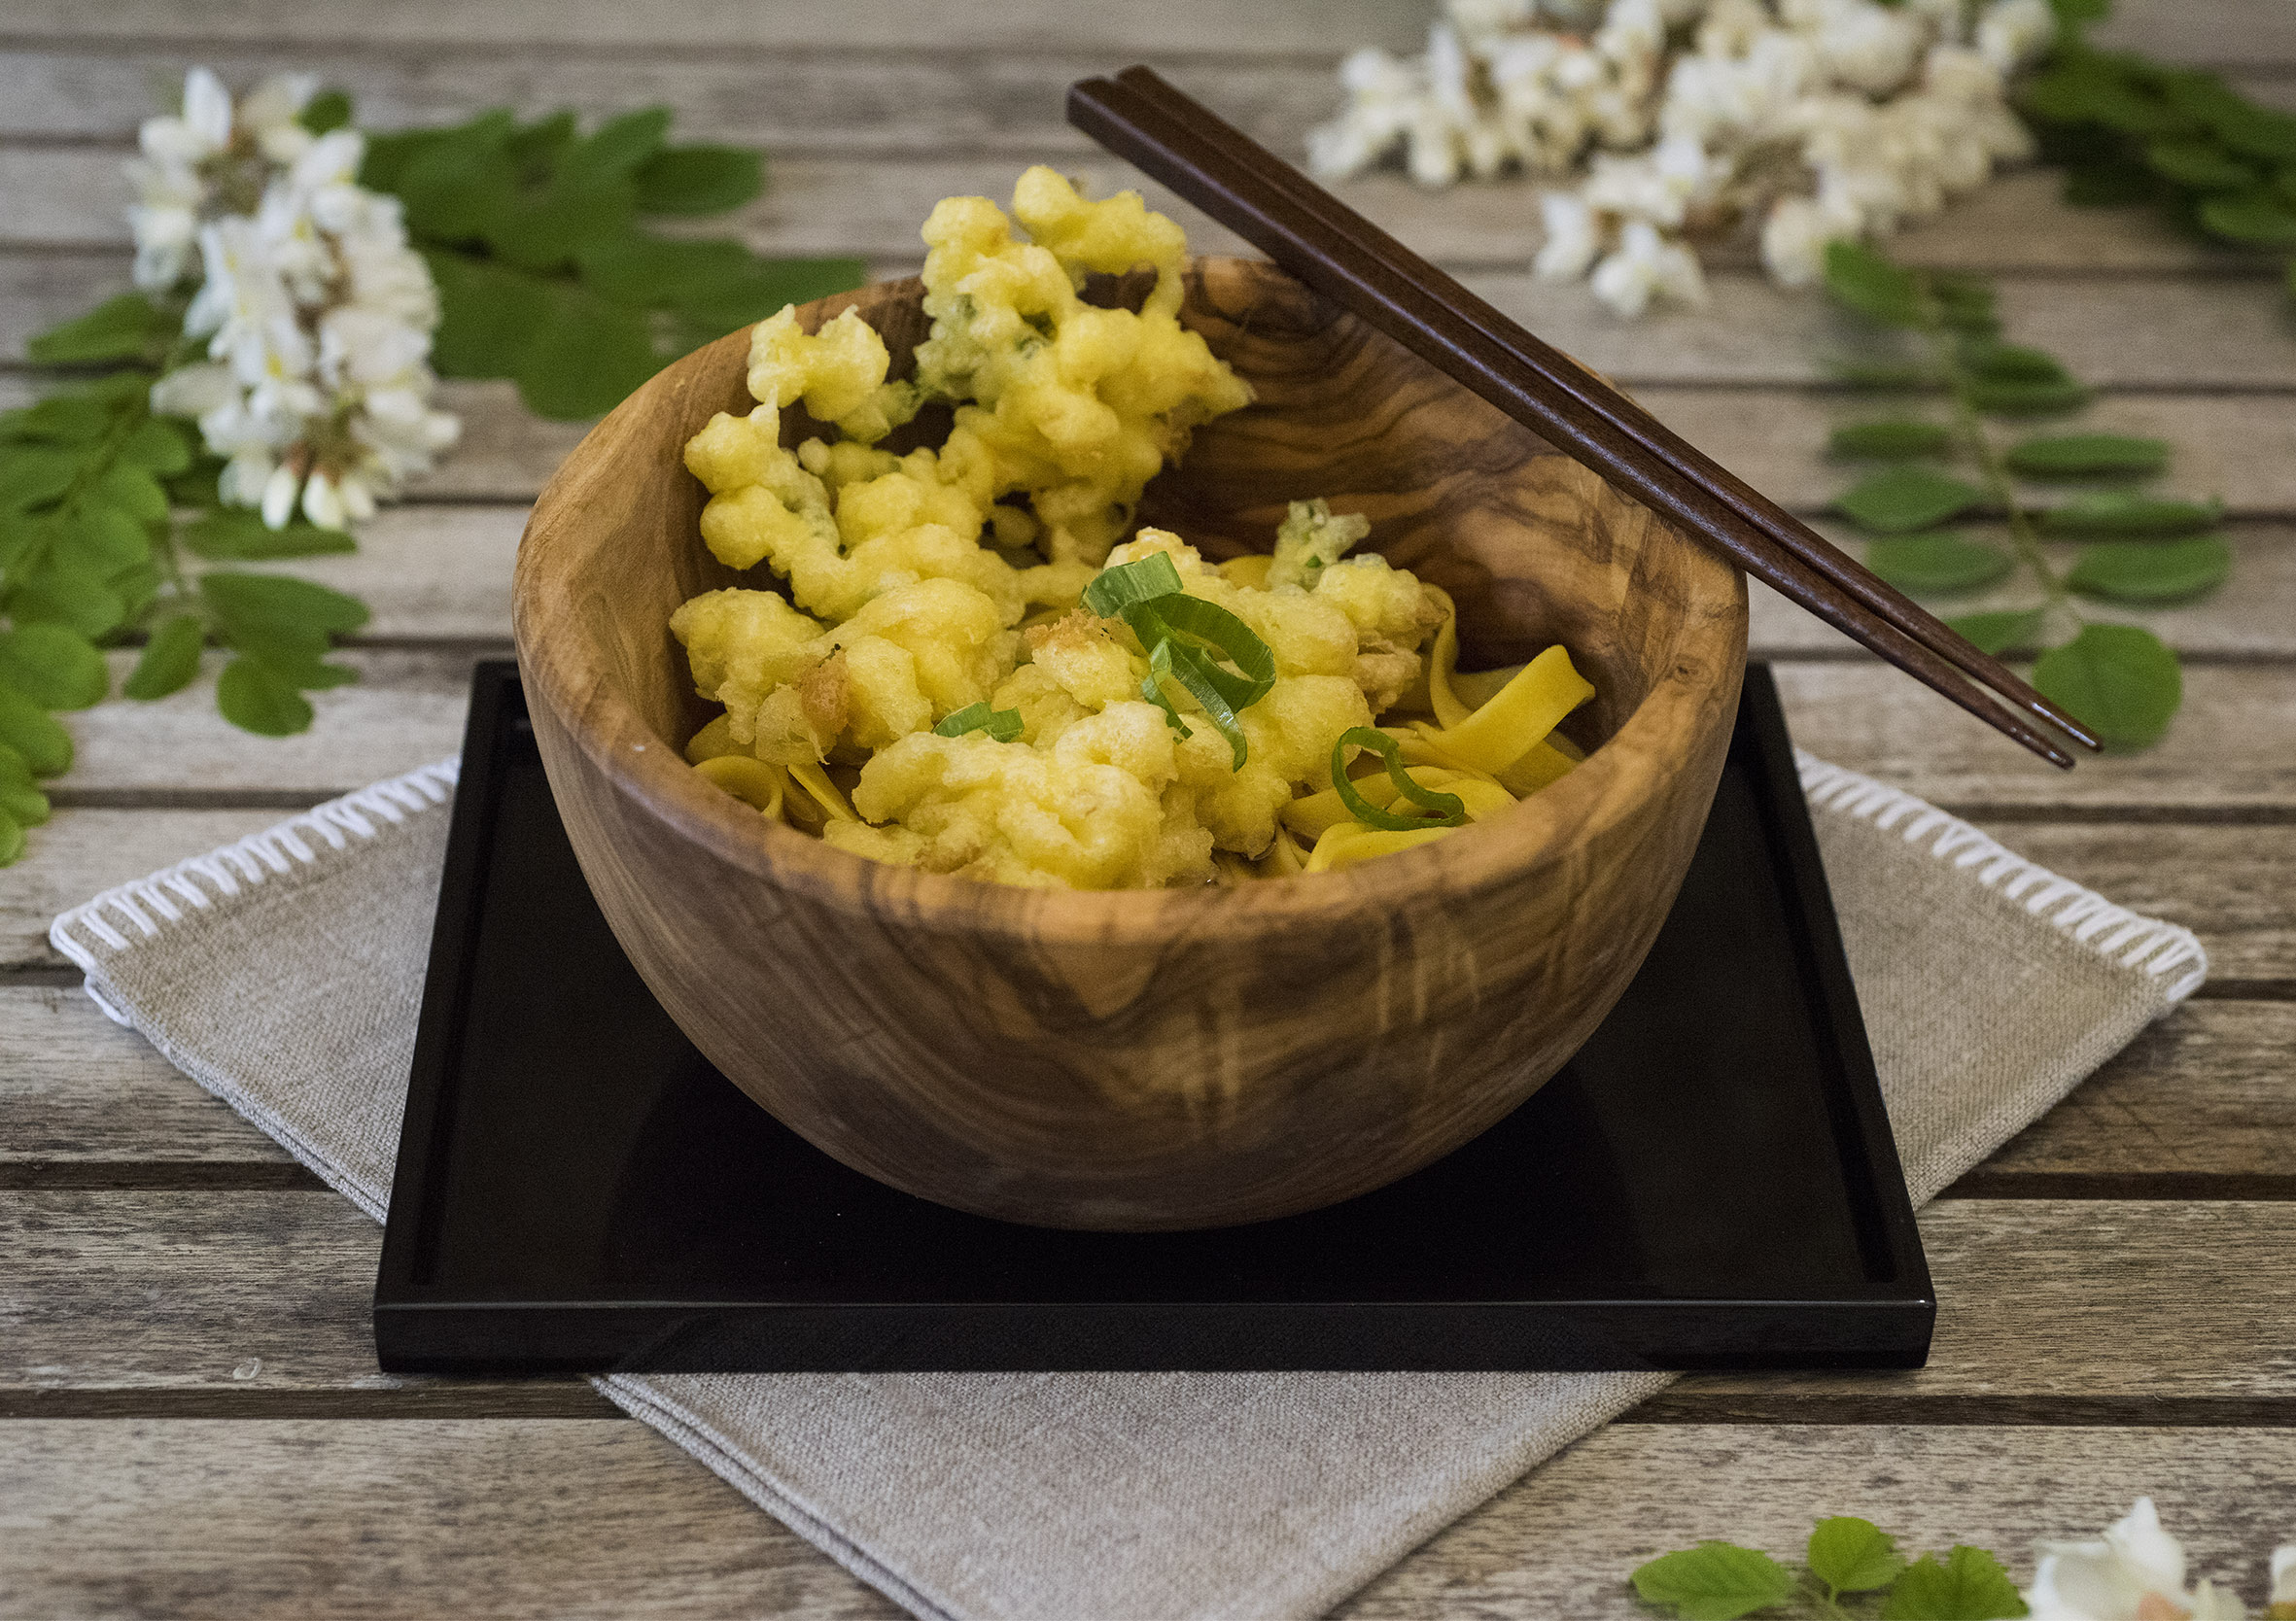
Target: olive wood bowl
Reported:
[(1165, 1058)]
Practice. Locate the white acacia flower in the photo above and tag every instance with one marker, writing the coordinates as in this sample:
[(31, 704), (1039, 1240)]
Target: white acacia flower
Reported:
[(2134, 1572), (1817, 118), (1647, 269), (317, 314)]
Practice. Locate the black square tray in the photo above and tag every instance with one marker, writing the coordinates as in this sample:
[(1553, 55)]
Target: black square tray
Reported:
[(1710, 1182)]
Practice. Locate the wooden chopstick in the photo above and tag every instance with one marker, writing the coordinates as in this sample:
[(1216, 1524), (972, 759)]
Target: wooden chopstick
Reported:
[(1333, 250), (1598, 398)]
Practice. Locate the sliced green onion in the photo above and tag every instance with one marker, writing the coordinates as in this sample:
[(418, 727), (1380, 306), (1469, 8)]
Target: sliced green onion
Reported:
[(1185, 638), (1004, 725), (1113, 590), (1450, 810)]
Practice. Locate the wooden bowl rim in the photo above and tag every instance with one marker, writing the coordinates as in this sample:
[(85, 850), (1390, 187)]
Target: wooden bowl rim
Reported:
[(653, 771)]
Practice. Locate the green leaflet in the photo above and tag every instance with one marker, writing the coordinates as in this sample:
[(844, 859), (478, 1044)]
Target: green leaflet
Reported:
[(130, 326), (238, 535), (30, 732), (2256, 218), (255, 699), (2085, 455), (65, 591), (170, 660), (2151, 570), (2118, 679), (2114, 512), (1443, 810), (698, 180), (1003, 725), (55, 667), (1969, 1584), (1865, 280), (1850, 1555), (1937, 563), (2000, 632), (585, 357), (1895, 440), (2200, 164), (1713, 1581), (1905, 499)]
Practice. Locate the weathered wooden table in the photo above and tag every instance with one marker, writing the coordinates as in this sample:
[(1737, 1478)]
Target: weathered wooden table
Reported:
[(191, 1419)]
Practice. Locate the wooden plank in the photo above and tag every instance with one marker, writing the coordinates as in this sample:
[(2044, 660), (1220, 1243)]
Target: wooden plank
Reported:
[(786, 100), (1562, 1540), (834, 201), (509, 1519), (2251, 32), (156, 1292), (405, 711), (534, 1518), (2127, 332), (2227, 748), (2235, 886)]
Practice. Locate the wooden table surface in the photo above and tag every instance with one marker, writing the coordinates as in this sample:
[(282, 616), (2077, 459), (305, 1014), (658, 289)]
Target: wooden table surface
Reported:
[(191, 1419)]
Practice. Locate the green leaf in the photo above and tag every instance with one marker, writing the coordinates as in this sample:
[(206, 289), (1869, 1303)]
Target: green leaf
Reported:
[(2119, 681), (488, 315), (157, 446), (547, 231), (11, 840), (132, 490), (2109, 183), (2028, 400), (1937, 563), (769, 285), (2086, 455), (171, 658), (698, 180), (2151, 570), (1003, 725), (2203, 166), (63, 419), (616, 149), (1906, 499), (1865, 279), (585, 359), (31, 732), (238, 535), (33, 475), (241, 599), (1965, 304), (255, 699), (21, 802), (1890, 442), (65, 591), (326, 113), (455, 182), (1998, 633), (106, 537), (1850, 1555), (647, 272), (1967, 1585), (2013, 362), (2114, 512), (57, 668), (125, 328), (2255, 217), (1713, 1581)]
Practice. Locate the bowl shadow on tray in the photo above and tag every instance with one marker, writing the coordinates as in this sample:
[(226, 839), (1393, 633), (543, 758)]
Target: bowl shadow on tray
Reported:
[(1166, 1059)]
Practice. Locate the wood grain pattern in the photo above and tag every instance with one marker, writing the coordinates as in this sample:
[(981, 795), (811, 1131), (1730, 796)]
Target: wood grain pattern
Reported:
[(531, 1518), (262, 1294), (1170, 1058)]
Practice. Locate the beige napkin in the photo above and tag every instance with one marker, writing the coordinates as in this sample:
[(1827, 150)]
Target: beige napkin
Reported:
[(283, 974)]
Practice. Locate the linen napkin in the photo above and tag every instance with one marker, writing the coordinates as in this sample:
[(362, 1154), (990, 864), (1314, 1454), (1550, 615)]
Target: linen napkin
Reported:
[(283, 974)]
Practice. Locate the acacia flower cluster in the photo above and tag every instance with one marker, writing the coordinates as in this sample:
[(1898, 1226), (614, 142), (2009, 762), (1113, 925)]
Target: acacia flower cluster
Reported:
[(316, 315), (1681, 119)]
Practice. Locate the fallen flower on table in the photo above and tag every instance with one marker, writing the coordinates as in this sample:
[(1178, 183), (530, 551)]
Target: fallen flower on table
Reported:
[(2134, 1572)]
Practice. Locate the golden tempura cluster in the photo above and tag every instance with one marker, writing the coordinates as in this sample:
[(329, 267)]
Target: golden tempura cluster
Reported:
[(949, 578)]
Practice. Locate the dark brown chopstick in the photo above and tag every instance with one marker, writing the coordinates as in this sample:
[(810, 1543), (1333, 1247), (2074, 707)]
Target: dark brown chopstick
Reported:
[(1584, 388), (1331, 249)]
